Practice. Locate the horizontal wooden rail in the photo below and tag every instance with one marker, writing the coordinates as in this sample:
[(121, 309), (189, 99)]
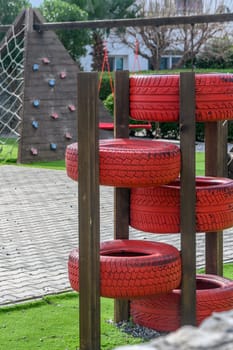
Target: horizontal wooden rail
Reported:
[(136, 22), (5, 28)]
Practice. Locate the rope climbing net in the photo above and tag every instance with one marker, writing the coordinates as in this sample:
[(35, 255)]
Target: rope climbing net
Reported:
[(11, 91)]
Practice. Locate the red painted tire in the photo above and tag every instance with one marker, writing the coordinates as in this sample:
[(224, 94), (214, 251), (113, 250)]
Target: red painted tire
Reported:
[(162, 312), (157, 209), (156, 97), (131, 163), (132, 268)]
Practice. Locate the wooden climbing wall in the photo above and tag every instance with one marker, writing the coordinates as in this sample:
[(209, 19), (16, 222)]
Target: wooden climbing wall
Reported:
[(49, 119)]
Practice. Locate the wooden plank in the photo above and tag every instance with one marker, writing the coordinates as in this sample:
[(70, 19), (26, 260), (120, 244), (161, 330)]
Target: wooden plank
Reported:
[(121, 195), (188, 198), (139, 22), (215, 165), (88, 195)]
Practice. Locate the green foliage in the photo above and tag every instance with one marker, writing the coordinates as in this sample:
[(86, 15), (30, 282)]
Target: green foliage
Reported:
[(61, 11), (217, 54), (102, 9), (10, 10), (109, 104), (230, 131), (105, 89), (200, 132), (169, 130)]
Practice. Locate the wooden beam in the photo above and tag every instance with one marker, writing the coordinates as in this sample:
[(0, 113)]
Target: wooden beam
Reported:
[(5, 28), (136, 22), (89, 222), (188, 198), (215, 165), (121, 195)]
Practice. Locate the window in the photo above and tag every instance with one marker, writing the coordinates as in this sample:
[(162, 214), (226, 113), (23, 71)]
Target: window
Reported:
[(116, 63), (119, 63)]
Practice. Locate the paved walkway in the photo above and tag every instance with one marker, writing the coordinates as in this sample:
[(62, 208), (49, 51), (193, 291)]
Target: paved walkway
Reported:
[(39, 227)]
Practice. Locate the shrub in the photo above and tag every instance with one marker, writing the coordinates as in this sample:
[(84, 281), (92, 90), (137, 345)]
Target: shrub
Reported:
[(105, 89)]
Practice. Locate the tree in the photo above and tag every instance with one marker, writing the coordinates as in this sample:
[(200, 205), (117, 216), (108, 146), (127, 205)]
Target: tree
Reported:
[(154, 41), (218, 53), (104, 9), (62, 11), (193, 39), (10, 10), (186, 40)]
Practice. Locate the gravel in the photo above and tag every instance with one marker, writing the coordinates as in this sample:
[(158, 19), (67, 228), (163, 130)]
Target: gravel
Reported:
[(138, 331)]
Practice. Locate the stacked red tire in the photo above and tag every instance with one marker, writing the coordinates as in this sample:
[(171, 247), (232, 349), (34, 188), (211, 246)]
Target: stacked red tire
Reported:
[(132, 268), (162, 312), (131, 163), (157, 209), (156, 97)]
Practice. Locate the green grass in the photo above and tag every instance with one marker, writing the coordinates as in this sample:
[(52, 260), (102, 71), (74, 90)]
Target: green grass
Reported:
[(200, 163), (55, 165), (52, 324), (227, 271), (8, 150)]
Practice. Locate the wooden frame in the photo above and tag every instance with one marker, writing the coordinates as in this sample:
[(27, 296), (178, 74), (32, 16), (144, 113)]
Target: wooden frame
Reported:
[(188, 197), (89, 221), (121, 195)]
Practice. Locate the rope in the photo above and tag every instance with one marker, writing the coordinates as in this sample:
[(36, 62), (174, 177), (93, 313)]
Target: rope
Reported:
[(11, 90), (192, 46), (106, 63), (136, 60)]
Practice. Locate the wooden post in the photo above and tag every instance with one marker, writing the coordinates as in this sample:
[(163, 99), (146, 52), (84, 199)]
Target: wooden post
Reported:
[(215, 165), (121, 195), (188, 198), (89, 222)]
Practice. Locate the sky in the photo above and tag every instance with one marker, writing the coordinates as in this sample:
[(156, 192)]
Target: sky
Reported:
[(36, 3)]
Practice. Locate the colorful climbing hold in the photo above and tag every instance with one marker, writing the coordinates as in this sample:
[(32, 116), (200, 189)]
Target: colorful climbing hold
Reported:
[(35, 67), (63, 75), (34, 151), (71, 108), (36, 103), (45, 60), (54, 115), (52, 82), (68, 136), (53, 146), (35, 124)]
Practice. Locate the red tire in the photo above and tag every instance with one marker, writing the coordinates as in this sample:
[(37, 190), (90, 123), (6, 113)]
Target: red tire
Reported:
[(132, 268), (131, 163), (156, 97), (162, 312), (157, 209)]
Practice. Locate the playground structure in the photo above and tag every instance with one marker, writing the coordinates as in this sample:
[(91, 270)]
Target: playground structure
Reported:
[(188, 194), (38, 105), (215, 137), (89, 185)]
